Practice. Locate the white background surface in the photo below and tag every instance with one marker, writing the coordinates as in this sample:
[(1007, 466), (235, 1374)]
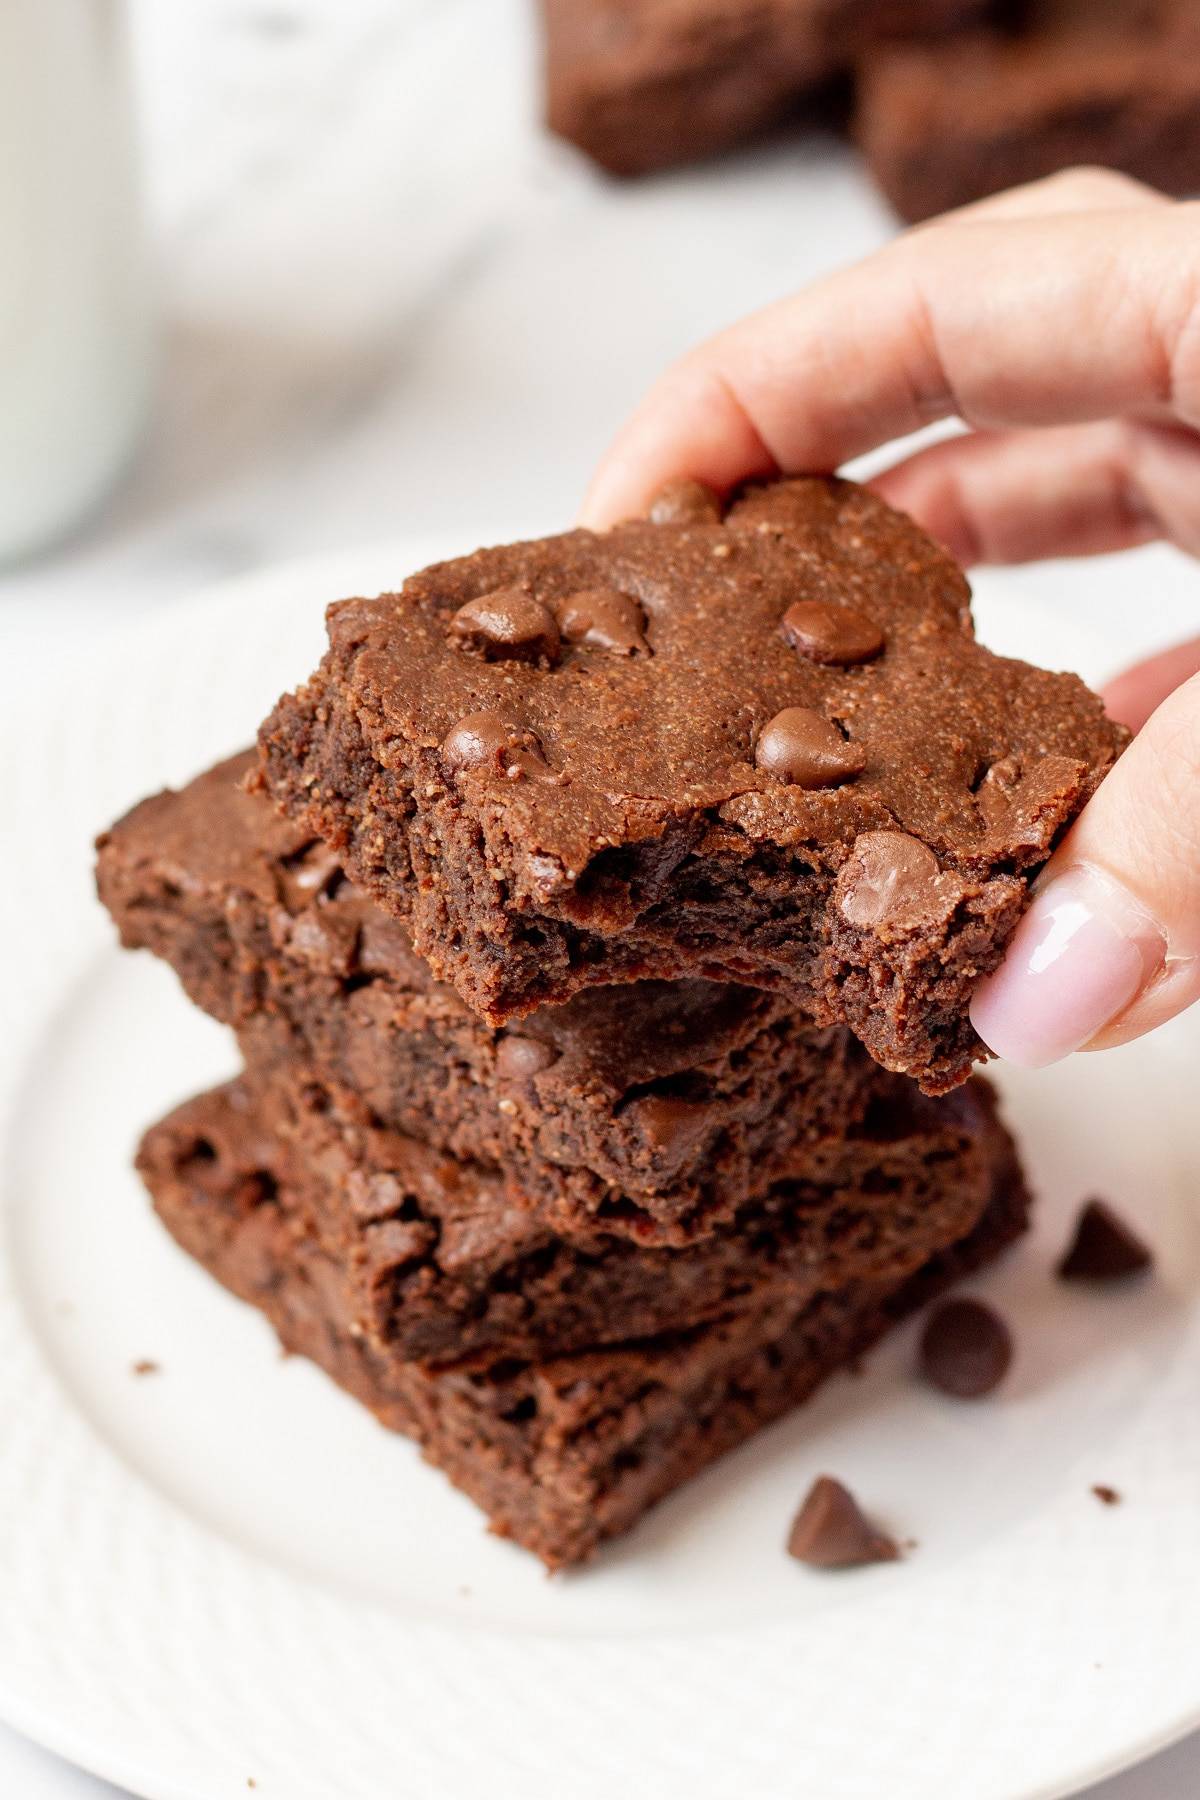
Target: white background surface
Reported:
[(390, 305)]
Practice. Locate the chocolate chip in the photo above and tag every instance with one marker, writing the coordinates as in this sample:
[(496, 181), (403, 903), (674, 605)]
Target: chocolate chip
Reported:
[(309, 873), (684, 503), (803, 748), (519, 1058), (826, 633), (508, 625), (604, 619), (831, 1532), (1103, 1248), (484, 738), (965, 1349), (670, 1126), (1107, 1496), (892, 880)]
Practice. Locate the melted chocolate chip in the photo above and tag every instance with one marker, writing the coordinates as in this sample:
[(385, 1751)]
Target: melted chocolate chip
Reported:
[(485, 738), (685, 503), (1107, 1496), (508, 625), (965, 1349), (604, 619), (670, 1126), (831, 1532), (519, 1058), (311, 872), (1103, 1248), (803, 748), (891, 880), (825, 633)]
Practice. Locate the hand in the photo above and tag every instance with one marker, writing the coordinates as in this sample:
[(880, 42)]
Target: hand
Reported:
[(1062, 323)]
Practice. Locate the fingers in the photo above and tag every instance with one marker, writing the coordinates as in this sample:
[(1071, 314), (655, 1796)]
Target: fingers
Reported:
[(1135, 693), (1110, 947), (1008, 497), (1072, 190), (1004, 321)]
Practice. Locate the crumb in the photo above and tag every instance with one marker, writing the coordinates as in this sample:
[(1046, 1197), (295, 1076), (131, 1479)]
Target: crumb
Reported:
[(910, 1544), (1108, 1496), (146, 1367), (250, 1781)]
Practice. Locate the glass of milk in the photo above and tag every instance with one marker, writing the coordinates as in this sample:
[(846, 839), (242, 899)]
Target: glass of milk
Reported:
[(74, 314)]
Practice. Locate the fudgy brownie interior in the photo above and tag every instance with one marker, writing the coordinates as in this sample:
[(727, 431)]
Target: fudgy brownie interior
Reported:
[(440, 1262), (562, 1454), (656, 1109)]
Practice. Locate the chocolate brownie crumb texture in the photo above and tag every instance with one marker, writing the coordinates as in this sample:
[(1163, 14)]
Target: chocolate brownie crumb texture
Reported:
[(560, 1454), (654, 1111), (785, 761), (440, 1260)]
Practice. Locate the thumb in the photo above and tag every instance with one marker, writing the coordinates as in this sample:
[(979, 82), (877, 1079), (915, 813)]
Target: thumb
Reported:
[(1110, 946)]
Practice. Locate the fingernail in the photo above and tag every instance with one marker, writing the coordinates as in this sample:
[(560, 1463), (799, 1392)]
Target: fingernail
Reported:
[(1082, 952)]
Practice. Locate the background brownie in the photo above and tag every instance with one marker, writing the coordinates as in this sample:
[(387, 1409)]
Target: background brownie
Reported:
[(657, 1109), (561, 1454), (1104, 81), (764, 749), (438, 1262), (641, 84)]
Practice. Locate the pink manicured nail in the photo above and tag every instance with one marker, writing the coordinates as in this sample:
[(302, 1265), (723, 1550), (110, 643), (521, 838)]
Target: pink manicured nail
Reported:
[(1079, 956)]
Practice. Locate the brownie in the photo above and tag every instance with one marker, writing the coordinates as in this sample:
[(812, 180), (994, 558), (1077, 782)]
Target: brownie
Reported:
[(559, 1454), (1085, 81), (659, 1108), (642, 84), (762, 748), (439, 1262)]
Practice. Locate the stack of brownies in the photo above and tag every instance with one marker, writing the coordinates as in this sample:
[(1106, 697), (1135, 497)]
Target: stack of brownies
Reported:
[(584, 923), (948, 100)]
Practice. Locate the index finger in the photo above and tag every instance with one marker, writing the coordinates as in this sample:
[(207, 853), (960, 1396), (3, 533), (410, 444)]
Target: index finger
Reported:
[(1001, 321)]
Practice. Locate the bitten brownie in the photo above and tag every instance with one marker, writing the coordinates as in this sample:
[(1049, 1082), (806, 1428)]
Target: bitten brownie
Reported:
[(439, 1263), (560, 1454), (656, 1110), (758, 745), (1087, 81), (642, 84)]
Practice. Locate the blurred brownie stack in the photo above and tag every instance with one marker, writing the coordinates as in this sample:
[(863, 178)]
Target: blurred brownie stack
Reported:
[(552, 918), (949, 100)]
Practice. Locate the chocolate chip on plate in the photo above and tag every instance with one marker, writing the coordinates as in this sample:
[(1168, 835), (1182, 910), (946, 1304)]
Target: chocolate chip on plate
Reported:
[(604, 619), (826, 633), (965, 1348), (1107, 1496), (806, 750), (831, 1531), (507, 625), (1103, 1248)]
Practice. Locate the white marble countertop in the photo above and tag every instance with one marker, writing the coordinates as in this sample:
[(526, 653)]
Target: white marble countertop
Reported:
[(389, 303)]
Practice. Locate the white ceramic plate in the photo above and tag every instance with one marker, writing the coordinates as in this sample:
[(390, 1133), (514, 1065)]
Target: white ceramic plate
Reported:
[(224, 1572)]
